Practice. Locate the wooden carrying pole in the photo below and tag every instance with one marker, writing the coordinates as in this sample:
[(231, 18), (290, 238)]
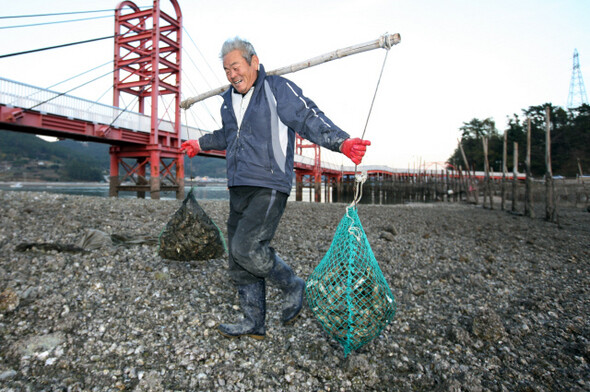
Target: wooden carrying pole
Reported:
[(385, 41)]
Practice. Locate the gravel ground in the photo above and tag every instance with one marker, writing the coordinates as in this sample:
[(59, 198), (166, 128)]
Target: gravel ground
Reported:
[(487, 301)]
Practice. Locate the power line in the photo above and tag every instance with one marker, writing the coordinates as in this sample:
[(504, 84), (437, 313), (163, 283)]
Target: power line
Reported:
[(55, 47)]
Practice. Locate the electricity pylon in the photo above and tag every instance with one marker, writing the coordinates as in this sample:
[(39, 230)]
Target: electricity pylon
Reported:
[(577, 95)]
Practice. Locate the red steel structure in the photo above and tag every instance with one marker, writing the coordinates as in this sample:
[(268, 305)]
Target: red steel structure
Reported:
[(310, 175), (147, 63), (313, 173)]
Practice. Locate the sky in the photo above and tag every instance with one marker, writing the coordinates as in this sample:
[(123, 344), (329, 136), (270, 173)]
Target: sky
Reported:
[(457, 60)]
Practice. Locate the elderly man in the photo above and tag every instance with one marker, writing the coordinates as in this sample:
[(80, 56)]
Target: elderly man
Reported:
[(260, 115)]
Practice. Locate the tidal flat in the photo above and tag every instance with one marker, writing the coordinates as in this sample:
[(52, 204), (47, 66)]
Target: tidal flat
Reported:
[(486, 301)]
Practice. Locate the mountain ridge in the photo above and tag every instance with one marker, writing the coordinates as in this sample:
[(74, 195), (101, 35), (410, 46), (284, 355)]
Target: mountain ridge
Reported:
[(26, 157)]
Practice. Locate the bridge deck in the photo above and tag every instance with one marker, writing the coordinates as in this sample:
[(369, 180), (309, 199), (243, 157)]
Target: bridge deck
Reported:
[(30, 109)]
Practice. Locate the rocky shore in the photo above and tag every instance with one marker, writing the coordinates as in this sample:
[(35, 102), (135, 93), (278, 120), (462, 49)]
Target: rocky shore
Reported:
[(486, 301)]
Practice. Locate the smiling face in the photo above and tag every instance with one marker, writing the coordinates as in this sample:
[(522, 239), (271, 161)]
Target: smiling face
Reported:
[(240, 74)]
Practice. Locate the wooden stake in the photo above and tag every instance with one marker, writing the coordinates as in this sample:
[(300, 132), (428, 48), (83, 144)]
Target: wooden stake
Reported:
[(468, 179), (550, 209), (528, 192), (487, 188), (504, 169), (475, 186), (514, 174), (581, 181)]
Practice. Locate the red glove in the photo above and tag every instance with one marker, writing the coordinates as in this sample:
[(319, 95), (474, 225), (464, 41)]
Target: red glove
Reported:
[(191, 147), (355, 149)]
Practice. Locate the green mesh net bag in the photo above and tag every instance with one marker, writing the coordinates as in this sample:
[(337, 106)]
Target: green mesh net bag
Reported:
[(347, 291)]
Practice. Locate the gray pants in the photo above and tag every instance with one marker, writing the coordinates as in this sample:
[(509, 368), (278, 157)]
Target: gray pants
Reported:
[(253, 220)]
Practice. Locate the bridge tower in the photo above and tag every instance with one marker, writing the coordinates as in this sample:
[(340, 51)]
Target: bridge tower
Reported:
[(314, 172), (147, 65), (577, 95)]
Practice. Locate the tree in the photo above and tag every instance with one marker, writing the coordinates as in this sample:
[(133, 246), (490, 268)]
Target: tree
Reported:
[(471, 134), (570, 140), (476, 129), (78, 170)]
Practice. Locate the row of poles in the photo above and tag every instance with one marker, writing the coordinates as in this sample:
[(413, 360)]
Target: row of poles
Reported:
[(428, 186), (551, 214)]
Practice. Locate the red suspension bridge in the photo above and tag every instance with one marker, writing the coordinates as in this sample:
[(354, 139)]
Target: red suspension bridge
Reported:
[(144, 152)]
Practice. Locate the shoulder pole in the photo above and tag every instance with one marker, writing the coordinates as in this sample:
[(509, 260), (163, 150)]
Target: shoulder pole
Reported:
[(386, 41)]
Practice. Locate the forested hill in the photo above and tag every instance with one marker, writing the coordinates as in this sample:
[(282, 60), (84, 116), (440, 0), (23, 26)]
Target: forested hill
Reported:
[(25, 157), (570, 141)]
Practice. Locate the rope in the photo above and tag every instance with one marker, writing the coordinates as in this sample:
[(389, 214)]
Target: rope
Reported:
[(190, 161), (360, 179), (375, 94)]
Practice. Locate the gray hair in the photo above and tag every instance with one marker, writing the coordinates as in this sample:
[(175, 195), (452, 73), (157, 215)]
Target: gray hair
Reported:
[(242, 45)]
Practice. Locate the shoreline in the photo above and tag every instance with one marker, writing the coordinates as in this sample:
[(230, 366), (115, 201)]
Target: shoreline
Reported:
[(90, 184)]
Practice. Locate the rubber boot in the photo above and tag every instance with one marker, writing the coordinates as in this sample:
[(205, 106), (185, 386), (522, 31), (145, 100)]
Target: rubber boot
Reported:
[(253, 306), (292, 286)]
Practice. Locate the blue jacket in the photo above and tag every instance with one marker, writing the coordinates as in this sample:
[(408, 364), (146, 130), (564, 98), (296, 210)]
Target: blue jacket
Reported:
[(260, 153)]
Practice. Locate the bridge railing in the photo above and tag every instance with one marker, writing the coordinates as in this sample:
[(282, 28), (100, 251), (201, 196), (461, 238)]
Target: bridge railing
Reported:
[(25, 96), (22, 95)]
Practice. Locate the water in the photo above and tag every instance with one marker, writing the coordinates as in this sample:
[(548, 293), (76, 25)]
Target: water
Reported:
[(203, 192)]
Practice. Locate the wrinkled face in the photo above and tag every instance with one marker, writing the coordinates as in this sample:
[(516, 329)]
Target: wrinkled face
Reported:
[(240, 74)]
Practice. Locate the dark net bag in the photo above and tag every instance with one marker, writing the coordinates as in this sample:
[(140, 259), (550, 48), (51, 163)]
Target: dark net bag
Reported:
[(347, 291), (191, 234)]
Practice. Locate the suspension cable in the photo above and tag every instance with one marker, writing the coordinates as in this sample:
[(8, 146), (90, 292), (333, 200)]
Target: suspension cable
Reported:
[(197, 68), (80, 74), (100, 97), (70, 90), (126, 109), (188, 80), (201, 53), (54, 22), (55, 47), (54, 14)]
